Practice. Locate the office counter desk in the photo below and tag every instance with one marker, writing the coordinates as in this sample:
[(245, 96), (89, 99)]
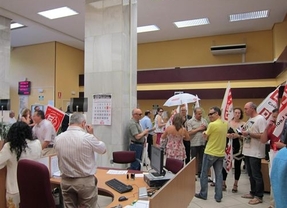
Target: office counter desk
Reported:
[(105, 190), (177, 192)]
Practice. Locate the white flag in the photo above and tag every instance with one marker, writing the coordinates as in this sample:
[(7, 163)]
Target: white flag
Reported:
[(227, 115), (196, 105), (268, 104), (227, 105), (282, 114)]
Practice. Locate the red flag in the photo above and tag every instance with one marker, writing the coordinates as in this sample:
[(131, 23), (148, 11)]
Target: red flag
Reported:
[(227, 115), (282, 114), (55, 116), (268, 104), (227, 105)]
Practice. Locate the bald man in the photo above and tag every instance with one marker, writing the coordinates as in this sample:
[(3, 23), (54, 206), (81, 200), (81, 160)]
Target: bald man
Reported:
[(136, 136), (254, 151)]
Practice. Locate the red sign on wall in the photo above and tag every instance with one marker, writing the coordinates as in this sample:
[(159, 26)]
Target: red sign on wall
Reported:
[(55, 116)]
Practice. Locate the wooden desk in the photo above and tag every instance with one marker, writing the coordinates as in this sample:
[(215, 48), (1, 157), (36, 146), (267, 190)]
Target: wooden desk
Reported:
[(105, 190), (177, 192)]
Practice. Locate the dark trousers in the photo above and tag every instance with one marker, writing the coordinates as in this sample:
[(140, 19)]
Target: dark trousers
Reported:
[(149, 143), (187, 151), (197, 151), (237, 170), (138, 148), (253, 166)]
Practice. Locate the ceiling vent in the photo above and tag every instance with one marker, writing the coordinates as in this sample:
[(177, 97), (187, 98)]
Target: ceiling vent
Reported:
[(228, 49)]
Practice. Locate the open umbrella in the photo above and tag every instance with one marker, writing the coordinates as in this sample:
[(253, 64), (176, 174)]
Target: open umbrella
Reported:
[(180, 99)]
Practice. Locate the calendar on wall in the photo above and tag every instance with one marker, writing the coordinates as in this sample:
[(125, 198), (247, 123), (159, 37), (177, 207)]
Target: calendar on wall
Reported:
[(102, 109)]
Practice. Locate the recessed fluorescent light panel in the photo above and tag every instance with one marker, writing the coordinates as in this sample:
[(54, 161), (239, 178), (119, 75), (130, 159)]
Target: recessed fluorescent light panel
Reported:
[(190, 23), (249, 15), (16, 25), (148, 28), (58, 13)]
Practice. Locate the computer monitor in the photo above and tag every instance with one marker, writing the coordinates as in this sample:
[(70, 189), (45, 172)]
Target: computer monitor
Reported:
[(4, 104), (157, 156), (79, 104)]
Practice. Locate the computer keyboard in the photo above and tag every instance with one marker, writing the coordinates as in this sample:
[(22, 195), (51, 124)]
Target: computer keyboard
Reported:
[(119, 186)]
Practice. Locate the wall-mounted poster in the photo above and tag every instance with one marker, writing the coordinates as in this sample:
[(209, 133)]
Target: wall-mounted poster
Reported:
[(102, 109)]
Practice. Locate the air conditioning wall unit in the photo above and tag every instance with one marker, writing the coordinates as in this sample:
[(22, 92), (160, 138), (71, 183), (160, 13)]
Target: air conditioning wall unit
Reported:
[(228, 49)]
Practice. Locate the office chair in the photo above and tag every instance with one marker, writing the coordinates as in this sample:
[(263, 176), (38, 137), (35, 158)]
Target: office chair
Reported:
[(123, 157), (34, 185), (173, 165)]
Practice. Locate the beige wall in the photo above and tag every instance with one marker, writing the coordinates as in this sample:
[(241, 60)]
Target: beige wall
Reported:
[(37, 64), (196, 51), (69, 64), (53, 67), (280, 38)]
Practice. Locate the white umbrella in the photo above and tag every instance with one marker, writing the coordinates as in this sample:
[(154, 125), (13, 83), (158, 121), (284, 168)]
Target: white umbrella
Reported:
[(180, 99)]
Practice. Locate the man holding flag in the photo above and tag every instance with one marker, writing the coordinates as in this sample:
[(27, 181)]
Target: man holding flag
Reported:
[(254, 151)]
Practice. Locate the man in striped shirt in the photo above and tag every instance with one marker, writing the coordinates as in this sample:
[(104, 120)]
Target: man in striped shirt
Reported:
[(76, 149)]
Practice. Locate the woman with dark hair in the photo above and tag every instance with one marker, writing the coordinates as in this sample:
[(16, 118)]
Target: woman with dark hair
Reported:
[(175, 134), (18, 145), (159, 125), (234, 125)]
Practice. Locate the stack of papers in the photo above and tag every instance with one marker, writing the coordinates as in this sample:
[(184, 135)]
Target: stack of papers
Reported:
[(139, 204)]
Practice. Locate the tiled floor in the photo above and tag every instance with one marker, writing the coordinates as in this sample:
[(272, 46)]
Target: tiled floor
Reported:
[(230, 200)]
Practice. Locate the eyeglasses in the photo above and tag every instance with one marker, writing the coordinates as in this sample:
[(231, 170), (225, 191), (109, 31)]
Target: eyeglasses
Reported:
[(210, 114), (160, 111), (140, 114)]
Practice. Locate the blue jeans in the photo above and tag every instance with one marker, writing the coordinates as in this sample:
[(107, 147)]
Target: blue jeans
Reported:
[(138, 148), (217, 163), (253, 166)]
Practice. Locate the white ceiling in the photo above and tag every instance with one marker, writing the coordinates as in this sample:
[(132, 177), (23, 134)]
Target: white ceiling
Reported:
[(163, 13)]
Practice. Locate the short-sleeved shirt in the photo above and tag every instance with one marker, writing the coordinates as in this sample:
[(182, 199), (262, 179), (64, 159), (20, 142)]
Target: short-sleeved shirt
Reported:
[(216, 132), (44, 131), (197, 138), (253, 147), (271, 136), (146, 124), (134, 128)]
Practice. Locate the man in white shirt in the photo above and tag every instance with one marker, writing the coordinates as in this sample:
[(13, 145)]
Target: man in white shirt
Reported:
[(254, 151), (76, 150), (44, 131), (12, 118)]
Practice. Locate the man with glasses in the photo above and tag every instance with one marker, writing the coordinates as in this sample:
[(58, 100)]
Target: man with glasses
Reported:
[(136, 136), (213, 154), (195, 127)]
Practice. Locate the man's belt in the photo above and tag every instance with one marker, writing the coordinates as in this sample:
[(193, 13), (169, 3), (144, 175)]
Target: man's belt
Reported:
[(136, 142)]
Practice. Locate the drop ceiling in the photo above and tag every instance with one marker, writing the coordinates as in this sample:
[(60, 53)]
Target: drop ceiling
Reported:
[(70, 30)]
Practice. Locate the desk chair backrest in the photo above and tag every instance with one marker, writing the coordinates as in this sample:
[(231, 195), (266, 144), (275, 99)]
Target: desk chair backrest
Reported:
[(173, 165), (34, 185), (124, 157)]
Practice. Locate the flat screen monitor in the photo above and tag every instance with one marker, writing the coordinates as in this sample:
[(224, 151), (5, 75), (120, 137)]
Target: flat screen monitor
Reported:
[(156, 163), (79, 104), (4, 104)]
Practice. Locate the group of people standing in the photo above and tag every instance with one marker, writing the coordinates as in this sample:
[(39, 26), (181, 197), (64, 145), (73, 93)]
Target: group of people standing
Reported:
[(187, 137), (33, 137)]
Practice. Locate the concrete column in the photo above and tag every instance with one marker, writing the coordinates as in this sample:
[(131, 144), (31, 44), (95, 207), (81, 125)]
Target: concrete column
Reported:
[(111, 66), (5, 42)]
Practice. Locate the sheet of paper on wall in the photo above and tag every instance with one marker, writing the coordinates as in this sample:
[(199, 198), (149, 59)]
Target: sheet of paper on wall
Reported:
[(117, 172)]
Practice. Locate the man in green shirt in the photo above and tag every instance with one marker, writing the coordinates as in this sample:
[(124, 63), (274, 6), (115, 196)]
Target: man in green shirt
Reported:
[(213, 154)]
